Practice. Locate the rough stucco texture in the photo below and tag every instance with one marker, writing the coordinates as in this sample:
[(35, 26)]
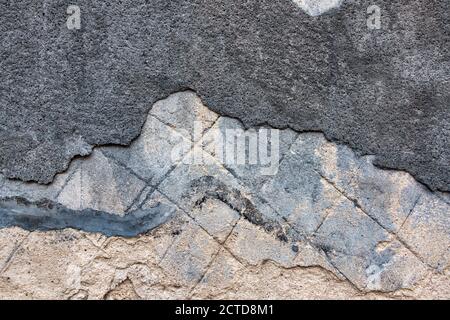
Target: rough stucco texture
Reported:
[(131, 222), (382, 92)]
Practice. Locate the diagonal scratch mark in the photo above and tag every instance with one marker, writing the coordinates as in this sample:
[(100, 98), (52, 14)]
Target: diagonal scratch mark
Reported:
[(394, 235), (13, 253), (68, 179), (197, 224), (208, 267), (409, 213)]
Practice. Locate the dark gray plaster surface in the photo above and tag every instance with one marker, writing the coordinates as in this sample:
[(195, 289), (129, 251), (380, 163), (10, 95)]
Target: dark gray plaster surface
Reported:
[(47, 215), (383, 92)]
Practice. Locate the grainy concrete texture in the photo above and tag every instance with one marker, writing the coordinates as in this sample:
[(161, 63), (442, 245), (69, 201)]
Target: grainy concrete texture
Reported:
[(309, 65), (134, 222)]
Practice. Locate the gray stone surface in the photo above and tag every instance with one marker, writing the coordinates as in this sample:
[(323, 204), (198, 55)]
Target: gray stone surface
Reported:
[(252, 175), (100, 184), (189, 256), (366, 253), (387, 196), (217, 218), (383, 92), (183, 112), (295, 192), (426, 231), (149, 157)]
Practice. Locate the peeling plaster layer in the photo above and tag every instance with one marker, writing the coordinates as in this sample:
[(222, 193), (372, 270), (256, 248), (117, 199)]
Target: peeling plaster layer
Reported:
[(371, 230), (382, 92), (46, 215)]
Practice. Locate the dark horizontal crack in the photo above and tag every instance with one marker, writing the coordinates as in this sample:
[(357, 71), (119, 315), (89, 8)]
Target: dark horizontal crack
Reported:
[(45, 215)]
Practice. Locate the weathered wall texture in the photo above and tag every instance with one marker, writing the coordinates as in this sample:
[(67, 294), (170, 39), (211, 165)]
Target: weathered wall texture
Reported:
[(326, 224), (113, 184)]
